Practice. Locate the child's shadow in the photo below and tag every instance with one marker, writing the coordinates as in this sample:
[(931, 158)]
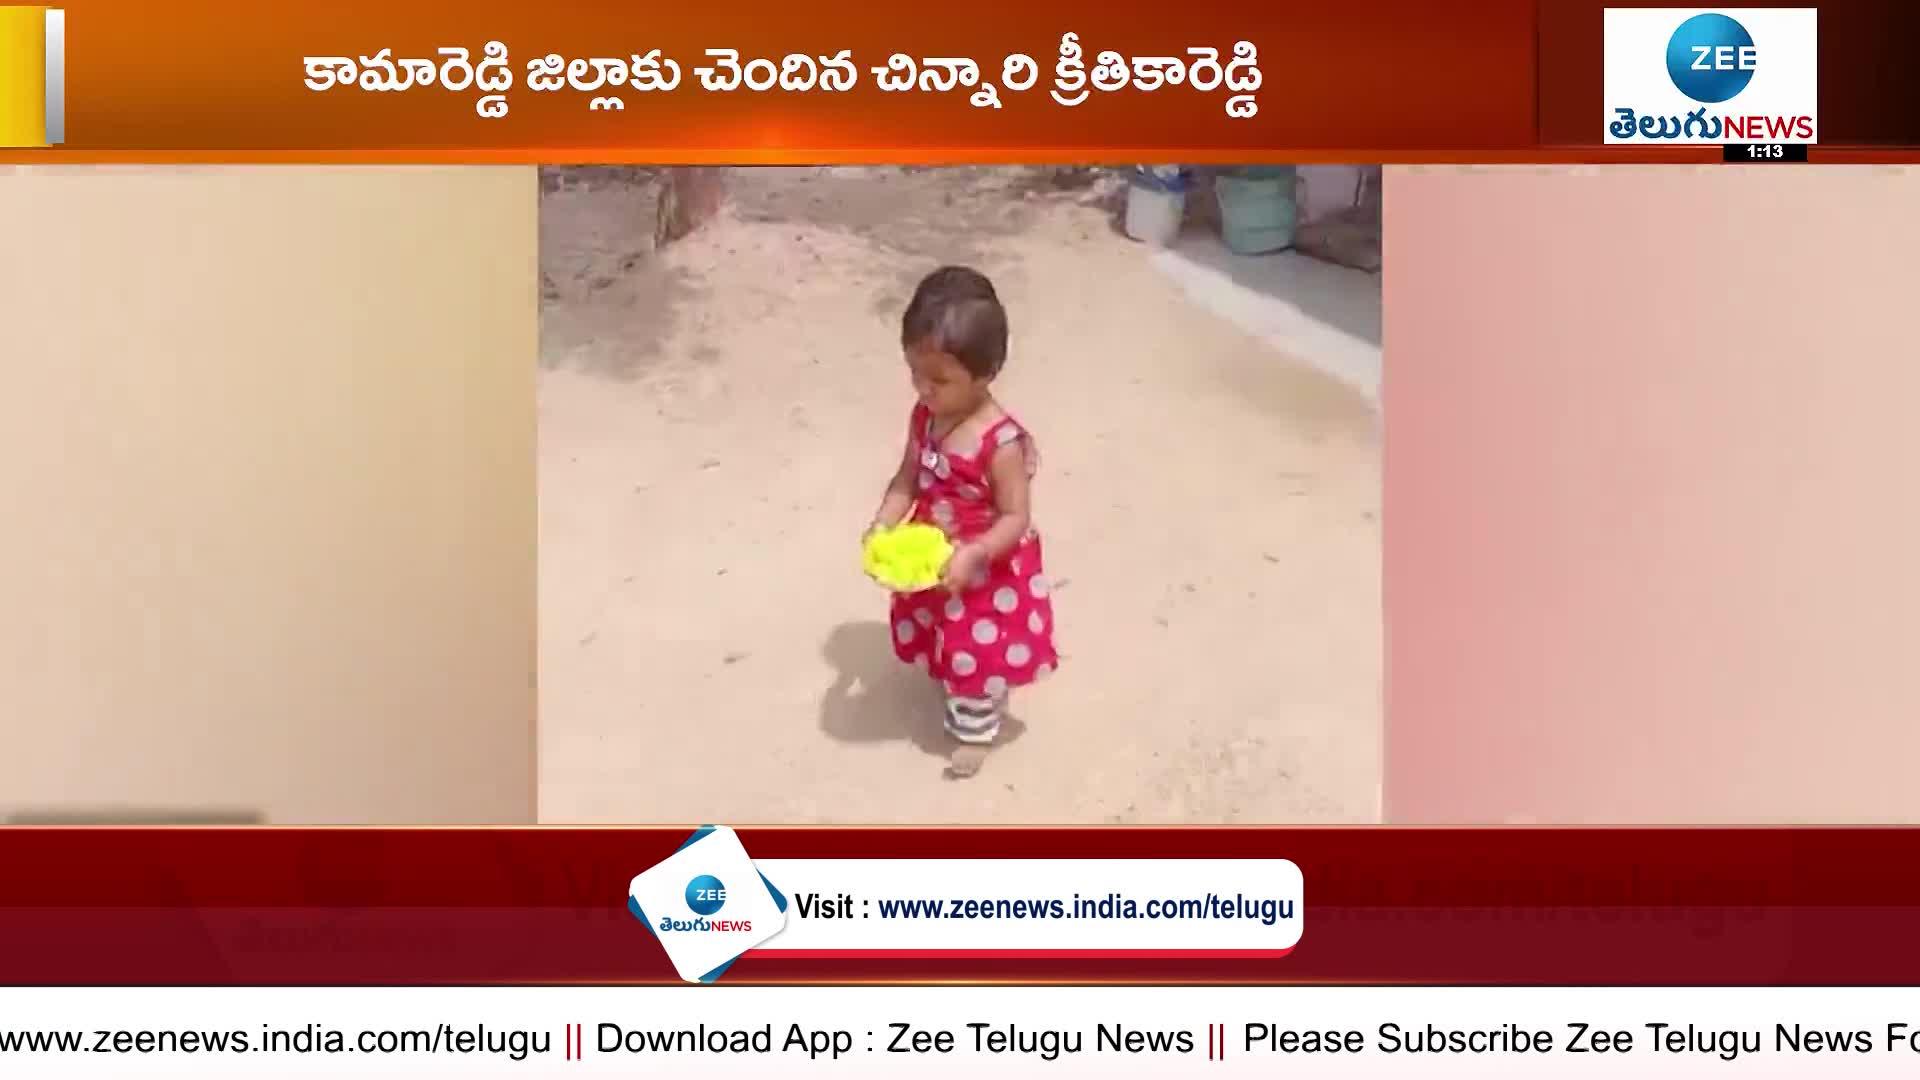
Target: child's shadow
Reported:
[(876, 698)]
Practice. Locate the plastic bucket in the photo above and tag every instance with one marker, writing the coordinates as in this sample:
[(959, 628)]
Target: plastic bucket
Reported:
[(1156, 205), (1257, 209)]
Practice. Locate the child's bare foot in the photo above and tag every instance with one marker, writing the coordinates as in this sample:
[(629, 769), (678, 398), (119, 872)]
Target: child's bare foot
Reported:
[(966, 761)]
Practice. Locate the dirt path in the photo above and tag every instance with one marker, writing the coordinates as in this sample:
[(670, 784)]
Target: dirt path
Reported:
[(717, 422)]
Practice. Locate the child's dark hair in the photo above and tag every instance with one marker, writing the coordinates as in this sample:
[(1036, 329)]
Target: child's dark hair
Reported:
[(954, 309)]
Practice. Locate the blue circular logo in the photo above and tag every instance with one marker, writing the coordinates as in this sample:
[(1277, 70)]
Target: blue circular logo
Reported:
[(1711, 58), (705, 895)]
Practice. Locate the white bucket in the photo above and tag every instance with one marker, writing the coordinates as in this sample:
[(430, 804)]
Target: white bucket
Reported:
[(1154, 217)]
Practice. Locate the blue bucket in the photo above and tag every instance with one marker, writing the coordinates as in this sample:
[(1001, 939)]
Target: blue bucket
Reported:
[(1257, 210)]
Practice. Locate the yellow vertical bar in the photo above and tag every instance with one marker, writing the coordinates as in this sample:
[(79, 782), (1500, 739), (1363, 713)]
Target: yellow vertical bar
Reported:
[(23, 76)]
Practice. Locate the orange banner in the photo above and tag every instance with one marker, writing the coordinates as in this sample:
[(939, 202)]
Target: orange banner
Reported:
[(573, 80)]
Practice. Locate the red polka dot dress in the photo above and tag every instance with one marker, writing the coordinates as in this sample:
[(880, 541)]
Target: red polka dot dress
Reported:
[(998, 632)]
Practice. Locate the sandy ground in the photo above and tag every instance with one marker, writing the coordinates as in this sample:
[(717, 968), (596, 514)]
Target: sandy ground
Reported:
[(718, 419)]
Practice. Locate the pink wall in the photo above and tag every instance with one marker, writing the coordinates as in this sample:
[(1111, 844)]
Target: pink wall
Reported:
[(1651, 529)]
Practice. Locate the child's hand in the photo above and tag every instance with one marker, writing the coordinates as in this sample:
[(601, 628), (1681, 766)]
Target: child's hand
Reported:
[(967, 562)]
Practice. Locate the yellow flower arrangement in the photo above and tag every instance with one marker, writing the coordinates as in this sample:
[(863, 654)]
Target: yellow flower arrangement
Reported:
[(907, 558)]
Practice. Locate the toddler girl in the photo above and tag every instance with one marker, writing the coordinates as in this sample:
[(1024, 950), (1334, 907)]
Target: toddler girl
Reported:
[(967, 469)]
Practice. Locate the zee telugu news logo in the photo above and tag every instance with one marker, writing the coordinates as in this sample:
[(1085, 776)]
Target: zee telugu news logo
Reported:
[(1710, 59), (705, 897)]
